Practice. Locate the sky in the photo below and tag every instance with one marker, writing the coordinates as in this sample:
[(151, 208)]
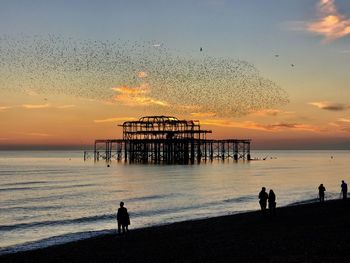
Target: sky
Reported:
[(303, 46)]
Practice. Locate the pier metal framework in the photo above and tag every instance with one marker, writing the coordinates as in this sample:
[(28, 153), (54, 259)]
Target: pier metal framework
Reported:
[(168, 140)]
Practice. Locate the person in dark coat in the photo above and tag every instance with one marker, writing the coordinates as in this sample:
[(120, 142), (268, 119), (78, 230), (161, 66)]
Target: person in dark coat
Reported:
[(321, 190), (123, 219), (263, 196), (344, 189), (272, 202)]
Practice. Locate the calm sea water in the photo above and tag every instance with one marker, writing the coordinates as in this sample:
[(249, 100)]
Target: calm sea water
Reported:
[(49, 197)]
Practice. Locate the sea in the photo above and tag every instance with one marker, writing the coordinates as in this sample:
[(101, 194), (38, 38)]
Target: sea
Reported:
[(53, 197)]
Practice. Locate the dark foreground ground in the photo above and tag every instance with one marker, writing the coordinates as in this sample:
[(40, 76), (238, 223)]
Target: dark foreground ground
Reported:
[(304, 233)]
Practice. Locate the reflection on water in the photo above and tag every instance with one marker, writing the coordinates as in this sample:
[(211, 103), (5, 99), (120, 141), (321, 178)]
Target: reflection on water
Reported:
[(46, 194)]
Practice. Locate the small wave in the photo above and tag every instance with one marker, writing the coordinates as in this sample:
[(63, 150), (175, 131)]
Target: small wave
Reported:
[(16, 189), (56, 240), (150, 197), (58, 222), (42, 199), (303, 202), (329, 196), (29, 208), (44, 187), (177, 209), (35, 172), (240, 199), (25, 183)]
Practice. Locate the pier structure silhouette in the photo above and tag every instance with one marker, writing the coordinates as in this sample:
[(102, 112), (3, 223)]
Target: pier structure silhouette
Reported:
[(168, 140)]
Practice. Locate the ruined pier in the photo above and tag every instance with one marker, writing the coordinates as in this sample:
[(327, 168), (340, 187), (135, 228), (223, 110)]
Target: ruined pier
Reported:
[(168, 140)]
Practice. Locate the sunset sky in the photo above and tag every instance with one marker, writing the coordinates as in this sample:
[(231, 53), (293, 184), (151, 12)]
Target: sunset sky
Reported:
[(302, 46)]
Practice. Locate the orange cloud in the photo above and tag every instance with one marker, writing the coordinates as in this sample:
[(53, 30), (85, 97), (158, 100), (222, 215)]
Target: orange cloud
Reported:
[(136, 96), (344, 120), (2, 108), (263, 127), (38, 134), (115, 119), (270, 112), (341, 125), (142, 74), (331, 106), (35, 106), (331, 24), (132, 91)]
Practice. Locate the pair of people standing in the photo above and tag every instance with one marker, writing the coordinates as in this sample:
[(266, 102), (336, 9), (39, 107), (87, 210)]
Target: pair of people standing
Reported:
[(322, 189), (264, 198)]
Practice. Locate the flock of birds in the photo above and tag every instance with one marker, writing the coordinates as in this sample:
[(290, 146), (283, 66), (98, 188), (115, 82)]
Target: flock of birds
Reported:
[(194, 82)]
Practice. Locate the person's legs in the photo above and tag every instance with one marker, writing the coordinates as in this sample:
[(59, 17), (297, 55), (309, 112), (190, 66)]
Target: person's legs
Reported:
[(119, 225), (264, 207), (273, 207)]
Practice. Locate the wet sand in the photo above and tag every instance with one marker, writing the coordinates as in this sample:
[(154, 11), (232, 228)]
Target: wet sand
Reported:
[(301, 233)]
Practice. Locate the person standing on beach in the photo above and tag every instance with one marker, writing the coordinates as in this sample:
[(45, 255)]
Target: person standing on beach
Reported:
[(272, 202), (263, 196), (344, 189), (321, 190), (123, 218)]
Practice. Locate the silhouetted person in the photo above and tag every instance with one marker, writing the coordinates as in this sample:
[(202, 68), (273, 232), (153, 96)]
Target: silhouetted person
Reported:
[(321, 190), (263, 196), (272, 202), (344, 189), (123, 218)]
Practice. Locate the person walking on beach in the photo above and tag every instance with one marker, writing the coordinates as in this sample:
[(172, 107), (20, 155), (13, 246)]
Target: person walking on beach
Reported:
[(272, 202), (321, 190), (263, 196), (123, 218), (344, 189)]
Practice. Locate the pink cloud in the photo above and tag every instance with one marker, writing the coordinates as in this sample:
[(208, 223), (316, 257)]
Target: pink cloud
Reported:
[(331, 24)]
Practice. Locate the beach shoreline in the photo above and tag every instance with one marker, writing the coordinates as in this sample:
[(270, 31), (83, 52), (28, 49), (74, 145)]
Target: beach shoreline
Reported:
[(80, 236), (298, 233)]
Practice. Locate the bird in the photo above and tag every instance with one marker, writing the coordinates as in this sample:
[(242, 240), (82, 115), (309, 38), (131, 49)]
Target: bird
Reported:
[(292, 65), (90, 68)]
